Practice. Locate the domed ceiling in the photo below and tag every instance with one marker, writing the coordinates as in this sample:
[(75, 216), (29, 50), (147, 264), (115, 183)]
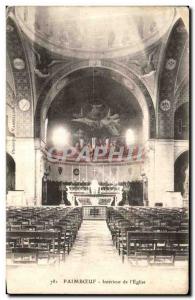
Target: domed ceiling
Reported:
[(101, 31)]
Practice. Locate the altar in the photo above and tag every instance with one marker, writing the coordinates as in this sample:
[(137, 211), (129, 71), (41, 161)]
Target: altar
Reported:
[(94, 200), (94, 194)]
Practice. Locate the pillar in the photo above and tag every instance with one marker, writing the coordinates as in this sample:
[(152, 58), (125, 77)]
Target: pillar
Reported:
[(39, 172), (25, 168), (163, 169)]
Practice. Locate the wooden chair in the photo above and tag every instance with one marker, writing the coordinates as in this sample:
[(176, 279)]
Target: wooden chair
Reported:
[(156, 244)]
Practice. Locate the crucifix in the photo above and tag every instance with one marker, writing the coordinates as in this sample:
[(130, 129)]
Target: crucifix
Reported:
[(94, 172), (181, 126)]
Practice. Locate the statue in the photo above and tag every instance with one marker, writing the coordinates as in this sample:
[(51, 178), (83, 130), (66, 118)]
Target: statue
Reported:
[(186, 184), (109, 122), (43, 62), (147, 65)]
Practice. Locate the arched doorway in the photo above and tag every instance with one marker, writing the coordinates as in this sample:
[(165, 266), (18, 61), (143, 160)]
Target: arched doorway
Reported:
[(10, 173), (181, 174)]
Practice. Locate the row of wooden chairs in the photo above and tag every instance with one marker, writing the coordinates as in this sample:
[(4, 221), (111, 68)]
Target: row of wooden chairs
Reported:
[(139, 236), (48, 234), (139, 216)]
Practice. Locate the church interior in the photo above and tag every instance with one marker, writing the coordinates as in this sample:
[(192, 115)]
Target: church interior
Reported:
[(97, 138)]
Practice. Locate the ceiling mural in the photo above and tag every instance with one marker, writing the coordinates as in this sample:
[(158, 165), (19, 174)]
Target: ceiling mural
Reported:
[(98, 29)]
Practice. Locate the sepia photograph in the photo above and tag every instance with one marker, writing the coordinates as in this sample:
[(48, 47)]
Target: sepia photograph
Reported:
[(97, 150)]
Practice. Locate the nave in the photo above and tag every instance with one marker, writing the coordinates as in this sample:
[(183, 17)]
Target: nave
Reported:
[(155, 234), (93, 256), (97, 149)]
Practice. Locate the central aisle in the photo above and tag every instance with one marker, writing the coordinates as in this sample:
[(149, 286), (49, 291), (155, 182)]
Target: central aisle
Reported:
[(94, 266), (93, 245)]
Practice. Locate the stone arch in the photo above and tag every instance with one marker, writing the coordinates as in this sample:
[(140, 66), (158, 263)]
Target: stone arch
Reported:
[(19, 65), (179, 153), (182, 94), (10, 111), (120, 73), (167, 80)]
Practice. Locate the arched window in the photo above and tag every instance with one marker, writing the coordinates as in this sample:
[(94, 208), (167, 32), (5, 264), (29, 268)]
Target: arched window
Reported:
[(181, 173), (10, 173)]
